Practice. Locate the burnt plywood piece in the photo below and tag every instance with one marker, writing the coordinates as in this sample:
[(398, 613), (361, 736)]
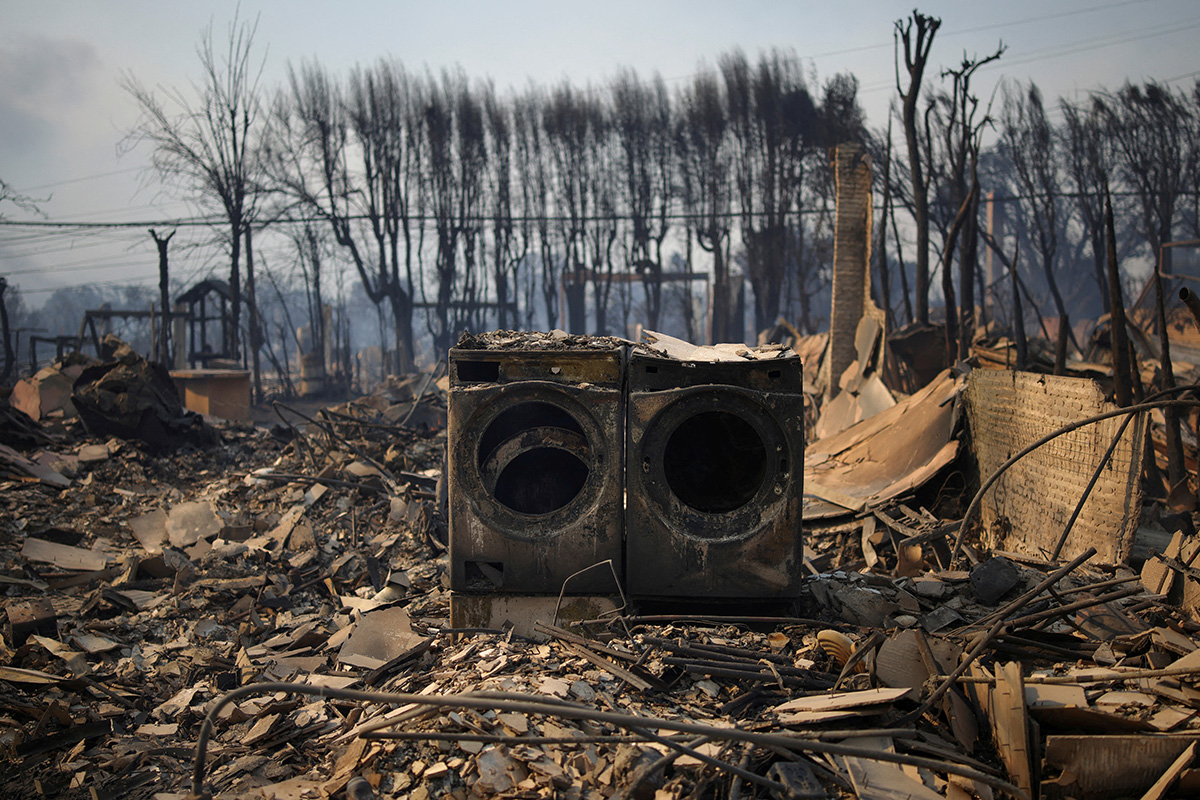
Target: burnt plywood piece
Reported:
[(660, 344), (63, 556), (1010, 725), (1028, 508), (1163, 784), (879, 780)]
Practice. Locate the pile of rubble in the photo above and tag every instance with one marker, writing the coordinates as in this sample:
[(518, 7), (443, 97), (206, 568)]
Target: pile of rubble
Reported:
[(303, 568)]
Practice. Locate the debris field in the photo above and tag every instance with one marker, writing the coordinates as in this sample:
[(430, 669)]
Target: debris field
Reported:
[(197, 607)]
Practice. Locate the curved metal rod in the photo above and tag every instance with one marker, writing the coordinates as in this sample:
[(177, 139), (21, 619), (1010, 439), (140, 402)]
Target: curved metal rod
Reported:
[(544, 437), (531, 704), (977, 500), (1087, 491)]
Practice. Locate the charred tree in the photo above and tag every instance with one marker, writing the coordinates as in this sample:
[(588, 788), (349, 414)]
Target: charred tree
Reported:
[(354, 164), (1153, 130), (642, 123), (773, 123), (1030, 146), (702, 141), (1087, 158), (164, 296), (916, 35), (510, 238), (208, 145)]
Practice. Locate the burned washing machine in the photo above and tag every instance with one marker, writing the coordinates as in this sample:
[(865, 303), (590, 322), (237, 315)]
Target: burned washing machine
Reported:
[(714, 478), (535, 464)]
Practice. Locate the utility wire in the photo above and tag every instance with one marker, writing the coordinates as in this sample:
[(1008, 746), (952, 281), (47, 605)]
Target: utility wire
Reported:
[(885, 45), (1090, 45), (485, 219), (69, 181), (118, 281), (1074, 48)]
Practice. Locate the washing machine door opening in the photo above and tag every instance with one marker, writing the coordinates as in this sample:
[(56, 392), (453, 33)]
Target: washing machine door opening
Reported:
[(711, 463), (715, 462), (534, 458)]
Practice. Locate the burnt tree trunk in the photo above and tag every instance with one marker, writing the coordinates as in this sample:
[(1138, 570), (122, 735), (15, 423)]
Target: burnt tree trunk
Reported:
[(254, 335), (10, 352), (164, 338)]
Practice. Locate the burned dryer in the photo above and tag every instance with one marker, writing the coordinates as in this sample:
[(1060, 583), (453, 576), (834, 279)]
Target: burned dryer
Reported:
[(535, 464), (714, 473)]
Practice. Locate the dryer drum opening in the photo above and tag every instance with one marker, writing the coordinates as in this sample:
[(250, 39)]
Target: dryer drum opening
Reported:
[(534, 458), (715, 462)]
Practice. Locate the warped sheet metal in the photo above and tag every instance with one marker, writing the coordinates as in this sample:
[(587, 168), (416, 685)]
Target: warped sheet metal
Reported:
[(885, 456)]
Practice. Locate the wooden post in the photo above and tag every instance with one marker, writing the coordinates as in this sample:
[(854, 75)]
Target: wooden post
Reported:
[(1118, 335), (1018, 313), (1060, 349), (10, 353), (163, 351)]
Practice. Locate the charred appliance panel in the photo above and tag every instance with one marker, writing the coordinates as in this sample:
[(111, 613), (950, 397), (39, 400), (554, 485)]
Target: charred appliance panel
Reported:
[(714, 474), (535, 463)]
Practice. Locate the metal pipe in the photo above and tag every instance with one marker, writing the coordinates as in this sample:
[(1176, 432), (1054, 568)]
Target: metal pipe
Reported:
[(541, 705)]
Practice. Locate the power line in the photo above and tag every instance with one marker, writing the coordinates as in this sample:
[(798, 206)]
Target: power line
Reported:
[(121, 281), (1098, 43), (82, 266), (185, 222), (483, 220), (1045, 17), (1074, 48), (80, 180), (71, 246), (882, 45), (1182, 77), (162, 208)]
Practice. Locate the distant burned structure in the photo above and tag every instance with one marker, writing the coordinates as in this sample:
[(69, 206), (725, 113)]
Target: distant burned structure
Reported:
[(211, 329)]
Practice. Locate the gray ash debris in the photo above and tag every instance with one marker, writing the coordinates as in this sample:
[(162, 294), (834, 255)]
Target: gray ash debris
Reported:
[(538, 340)]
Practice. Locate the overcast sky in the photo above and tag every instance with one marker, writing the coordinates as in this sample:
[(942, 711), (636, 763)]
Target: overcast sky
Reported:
[(62, 112)]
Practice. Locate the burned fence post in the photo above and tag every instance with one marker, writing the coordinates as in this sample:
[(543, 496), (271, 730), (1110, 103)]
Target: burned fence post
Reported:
[(1060, 346), (1120, 347), (1175, 467), (1018, 314), (163, 351)]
